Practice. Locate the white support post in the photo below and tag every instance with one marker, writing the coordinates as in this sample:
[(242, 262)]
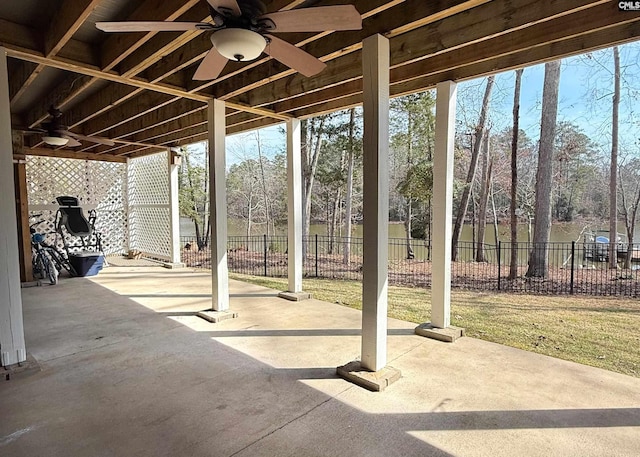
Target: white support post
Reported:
[(218, 205), (294, 191), (375, 61), (174, 209), (126, 245), (12, 346), (443, 204)]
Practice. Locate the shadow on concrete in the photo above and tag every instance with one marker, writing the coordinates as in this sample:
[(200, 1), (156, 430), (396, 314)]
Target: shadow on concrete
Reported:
[(153, 387), (302, 332), (161, 295)]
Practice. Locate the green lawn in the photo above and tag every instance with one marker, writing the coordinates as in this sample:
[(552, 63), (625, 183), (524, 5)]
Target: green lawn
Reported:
[(598, 331)]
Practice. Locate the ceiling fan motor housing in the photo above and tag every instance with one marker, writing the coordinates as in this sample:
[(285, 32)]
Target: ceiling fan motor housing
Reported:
[(238, 44)]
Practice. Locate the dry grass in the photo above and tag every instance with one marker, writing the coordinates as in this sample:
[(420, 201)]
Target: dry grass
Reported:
[(598, 331)]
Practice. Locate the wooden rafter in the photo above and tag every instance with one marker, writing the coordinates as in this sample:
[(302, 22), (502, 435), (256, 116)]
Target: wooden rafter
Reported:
[(147, 99)]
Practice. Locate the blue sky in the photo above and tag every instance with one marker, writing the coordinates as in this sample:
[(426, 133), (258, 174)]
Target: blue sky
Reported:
[(585, 96)]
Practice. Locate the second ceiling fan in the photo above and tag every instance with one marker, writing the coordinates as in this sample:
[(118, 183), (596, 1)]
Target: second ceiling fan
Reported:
[(241, 31)]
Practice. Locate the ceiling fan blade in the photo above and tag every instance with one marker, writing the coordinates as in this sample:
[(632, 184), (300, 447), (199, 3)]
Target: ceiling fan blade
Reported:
[(293, 57), (318, 19), (226, 7), (93, 139), (72, 143), (211, 66), (152, 26), (28, 131)]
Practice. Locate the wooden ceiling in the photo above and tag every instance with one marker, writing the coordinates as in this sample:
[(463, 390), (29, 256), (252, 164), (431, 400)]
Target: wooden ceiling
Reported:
[(137, 88)]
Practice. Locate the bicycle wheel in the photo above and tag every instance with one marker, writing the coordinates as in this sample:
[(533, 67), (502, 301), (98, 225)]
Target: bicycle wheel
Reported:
[(38, 266), (52, 271)]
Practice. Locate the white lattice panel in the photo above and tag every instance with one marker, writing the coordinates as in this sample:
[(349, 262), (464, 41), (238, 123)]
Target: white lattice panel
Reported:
[(97, 185), (149, 216)]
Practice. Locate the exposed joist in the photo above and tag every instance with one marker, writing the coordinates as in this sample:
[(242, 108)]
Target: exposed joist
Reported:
[(19, 79), (66, 154), (118, 46), (67, 19), (163, 44), (468, 27), (71, 84), (615, 35), (89, 70)]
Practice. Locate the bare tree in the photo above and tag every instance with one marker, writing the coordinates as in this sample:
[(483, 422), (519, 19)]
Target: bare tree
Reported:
[(475, 150), (194, 192), (513, 267), (613, 183), (485, 186), (269, 222), (538, 257), (313, 134), (349, 193), (629, 188)]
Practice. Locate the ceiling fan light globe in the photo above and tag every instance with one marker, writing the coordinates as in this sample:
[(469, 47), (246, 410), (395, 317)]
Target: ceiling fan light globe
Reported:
[(55, 140), (238, 44)]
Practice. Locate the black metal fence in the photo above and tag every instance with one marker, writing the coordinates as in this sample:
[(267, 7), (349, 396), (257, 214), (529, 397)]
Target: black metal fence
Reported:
[(572, 268)]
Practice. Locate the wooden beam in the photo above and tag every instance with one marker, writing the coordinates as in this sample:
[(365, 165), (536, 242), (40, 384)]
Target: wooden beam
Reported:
[(611, 36), (444, 35), (67, 154), (133, 108), (22, 215), (19, 79), (118, 46), (67, 19), (163, 44), (582, 22), (412, 13), (81, 68), (148, 129), (99, 103), (72, 84)]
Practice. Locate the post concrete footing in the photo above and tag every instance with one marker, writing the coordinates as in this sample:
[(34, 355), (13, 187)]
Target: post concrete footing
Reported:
[(20, 369), (448, 335), (375, 381), (294, 296), (216, 316)]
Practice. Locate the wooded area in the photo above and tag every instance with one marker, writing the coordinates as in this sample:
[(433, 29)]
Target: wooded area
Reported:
[(555, 171)]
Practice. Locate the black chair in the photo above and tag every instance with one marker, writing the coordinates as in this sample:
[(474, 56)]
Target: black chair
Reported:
[(70, 220)]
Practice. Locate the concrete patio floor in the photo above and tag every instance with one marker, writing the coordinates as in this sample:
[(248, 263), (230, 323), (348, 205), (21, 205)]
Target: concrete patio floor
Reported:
[(127, 370)]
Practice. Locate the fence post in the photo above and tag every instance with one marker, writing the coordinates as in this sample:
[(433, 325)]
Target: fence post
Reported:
[(573, 262), (316, 255), (264, 244), (499, 263)]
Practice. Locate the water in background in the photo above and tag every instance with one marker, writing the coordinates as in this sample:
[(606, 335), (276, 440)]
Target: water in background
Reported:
[(561, 232)]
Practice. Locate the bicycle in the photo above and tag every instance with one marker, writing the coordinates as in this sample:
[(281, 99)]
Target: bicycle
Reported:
[(47, 260)]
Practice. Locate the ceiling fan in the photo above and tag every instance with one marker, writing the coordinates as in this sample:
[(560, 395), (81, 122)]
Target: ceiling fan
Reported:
[(55, 134), (242, 31)]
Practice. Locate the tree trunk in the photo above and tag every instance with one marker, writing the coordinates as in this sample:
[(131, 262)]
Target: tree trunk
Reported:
[(613, 178), (629, 219), (407, 228), (538, 257), (249, 216), (333, 221), (408, 206), (263, 181), (310, 155), (513, 265), (348, 203), (466, 193), (487, 168), (496, 229)]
